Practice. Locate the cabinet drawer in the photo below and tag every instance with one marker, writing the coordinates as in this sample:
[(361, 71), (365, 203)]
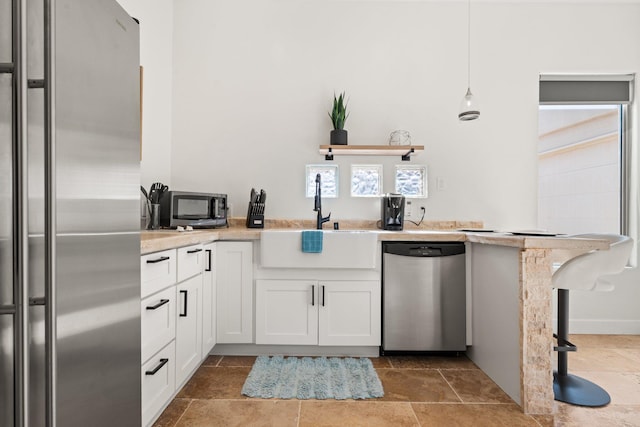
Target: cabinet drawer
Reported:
[(158, 317), (158, 383), (190, 261), (157, 270)]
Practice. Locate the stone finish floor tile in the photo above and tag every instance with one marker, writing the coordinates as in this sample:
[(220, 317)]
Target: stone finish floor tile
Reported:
[(431, 362), (623, 387), (429, 388), (605, 341), (212, 360), (608, 416), (380, 362), (241, 413), (216, 383), (354, 414), (172, 414), (475, 386), (602, 359), (472, 415), (415, 385), (237, 361)]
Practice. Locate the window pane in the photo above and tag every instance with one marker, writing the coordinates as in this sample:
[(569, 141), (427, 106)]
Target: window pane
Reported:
[(328, 180), (411, 181), (579, 168), (366, 180)]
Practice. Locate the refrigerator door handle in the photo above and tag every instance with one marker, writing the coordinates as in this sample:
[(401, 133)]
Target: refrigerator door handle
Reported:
[(50, 215), (21, 233)]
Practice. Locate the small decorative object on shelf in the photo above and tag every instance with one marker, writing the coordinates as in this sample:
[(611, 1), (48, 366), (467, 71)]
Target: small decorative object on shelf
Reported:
[(338, 116), (400, 137)]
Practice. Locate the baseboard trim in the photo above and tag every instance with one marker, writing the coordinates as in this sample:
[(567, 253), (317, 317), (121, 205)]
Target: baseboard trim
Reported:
[(607, 327)]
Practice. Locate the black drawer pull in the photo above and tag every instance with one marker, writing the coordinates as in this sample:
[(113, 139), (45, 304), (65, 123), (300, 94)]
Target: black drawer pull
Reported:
[(185, 304), (153, 261), (313, 295), (158, 305), (209, 254), (323, 295), (157, 368), (194, 251)]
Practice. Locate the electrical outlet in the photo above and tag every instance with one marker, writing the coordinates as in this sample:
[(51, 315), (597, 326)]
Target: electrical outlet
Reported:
[(440, 184), (407, 209)]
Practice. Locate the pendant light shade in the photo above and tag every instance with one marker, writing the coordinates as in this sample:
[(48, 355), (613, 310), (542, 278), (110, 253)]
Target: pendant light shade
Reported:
[(469, 109)]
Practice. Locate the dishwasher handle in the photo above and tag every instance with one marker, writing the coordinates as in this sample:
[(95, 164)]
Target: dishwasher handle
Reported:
[(423, 249)]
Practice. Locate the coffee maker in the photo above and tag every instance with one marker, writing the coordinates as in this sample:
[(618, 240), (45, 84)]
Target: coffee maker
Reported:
[(392, 211)]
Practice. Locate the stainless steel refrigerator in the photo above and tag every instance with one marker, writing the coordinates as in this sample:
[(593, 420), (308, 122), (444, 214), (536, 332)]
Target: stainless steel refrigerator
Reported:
[(69, 214)]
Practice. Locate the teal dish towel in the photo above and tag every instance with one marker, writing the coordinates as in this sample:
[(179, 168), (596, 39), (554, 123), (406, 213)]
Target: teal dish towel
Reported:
[(312, 241)]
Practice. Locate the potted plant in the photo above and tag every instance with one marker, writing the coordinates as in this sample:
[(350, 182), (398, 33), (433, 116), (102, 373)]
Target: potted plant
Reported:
[(338, 116)]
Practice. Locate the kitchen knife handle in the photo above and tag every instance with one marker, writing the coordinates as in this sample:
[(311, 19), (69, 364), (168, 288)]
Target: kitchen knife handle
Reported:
[(157, 368), (186, 296), (158, 305), (194, 251), (313, 295), (209, 255), (153, 261)]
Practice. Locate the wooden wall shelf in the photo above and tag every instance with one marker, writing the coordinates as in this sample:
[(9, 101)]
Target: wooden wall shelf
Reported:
[(405, 151)]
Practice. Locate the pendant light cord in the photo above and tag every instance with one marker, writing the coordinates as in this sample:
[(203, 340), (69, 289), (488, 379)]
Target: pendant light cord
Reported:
[(468, 44)]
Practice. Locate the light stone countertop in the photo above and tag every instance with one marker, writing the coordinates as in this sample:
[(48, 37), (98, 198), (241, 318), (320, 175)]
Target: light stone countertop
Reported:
[(154, 241)]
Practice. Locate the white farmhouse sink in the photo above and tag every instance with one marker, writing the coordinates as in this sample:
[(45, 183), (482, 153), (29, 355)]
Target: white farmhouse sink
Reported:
[(341, 249)]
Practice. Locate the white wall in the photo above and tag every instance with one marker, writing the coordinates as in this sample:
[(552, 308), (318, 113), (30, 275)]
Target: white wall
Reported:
[(253, 80), (156, 56)]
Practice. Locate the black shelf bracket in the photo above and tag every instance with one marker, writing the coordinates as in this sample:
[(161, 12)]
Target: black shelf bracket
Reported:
[(329, 155), (407, 157)]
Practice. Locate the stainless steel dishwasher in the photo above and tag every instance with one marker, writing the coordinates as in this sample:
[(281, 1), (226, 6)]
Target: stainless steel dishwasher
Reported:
[(423, 294)]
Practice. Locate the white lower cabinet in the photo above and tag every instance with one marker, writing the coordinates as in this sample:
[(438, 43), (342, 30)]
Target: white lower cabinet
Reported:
[(286, 312), (234, 305), (350, 313), (188, 328), (209, 299), (331, 313), (158, 382)]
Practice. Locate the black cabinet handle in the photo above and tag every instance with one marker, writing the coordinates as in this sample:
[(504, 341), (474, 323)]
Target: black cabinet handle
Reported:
[(185, 303), (313, 295), (158, 305), (153, 261), (194, 251), (209, 255), (323, 295), (157, 368)]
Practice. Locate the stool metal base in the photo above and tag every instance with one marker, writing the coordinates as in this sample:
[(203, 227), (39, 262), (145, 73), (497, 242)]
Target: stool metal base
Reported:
[(578, 391)]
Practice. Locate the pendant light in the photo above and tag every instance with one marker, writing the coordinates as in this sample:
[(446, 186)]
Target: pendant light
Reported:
[(469, 109)]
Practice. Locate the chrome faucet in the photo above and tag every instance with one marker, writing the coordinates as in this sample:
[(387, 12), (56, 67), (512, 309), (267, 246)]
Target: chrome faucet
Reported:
[(317, 206)]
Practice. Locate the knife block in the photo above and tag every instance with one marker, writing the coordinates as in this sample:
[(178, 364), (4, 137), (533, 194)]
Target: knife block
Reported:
[(255, 215)]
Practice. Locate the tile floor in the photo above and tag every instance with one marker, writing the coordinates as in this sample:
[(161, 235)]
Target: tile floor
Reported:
[(419, 391)]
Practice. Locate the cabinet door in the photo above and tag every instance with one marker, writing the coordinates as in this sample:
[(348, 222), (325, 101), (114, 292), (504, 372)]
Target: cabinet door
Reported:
[(234, 292), (209, 300), (286, 312), (188, 328), (158, 319), (349, 312)]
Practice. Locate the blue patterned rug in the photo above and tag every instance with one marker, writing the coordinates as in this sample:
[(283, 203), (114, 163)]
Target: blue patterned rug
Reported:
[(312, 378)]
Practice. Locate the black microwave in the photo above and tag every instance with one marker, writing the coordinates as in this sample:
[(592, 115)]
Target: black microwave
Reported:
[(199, 210)]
